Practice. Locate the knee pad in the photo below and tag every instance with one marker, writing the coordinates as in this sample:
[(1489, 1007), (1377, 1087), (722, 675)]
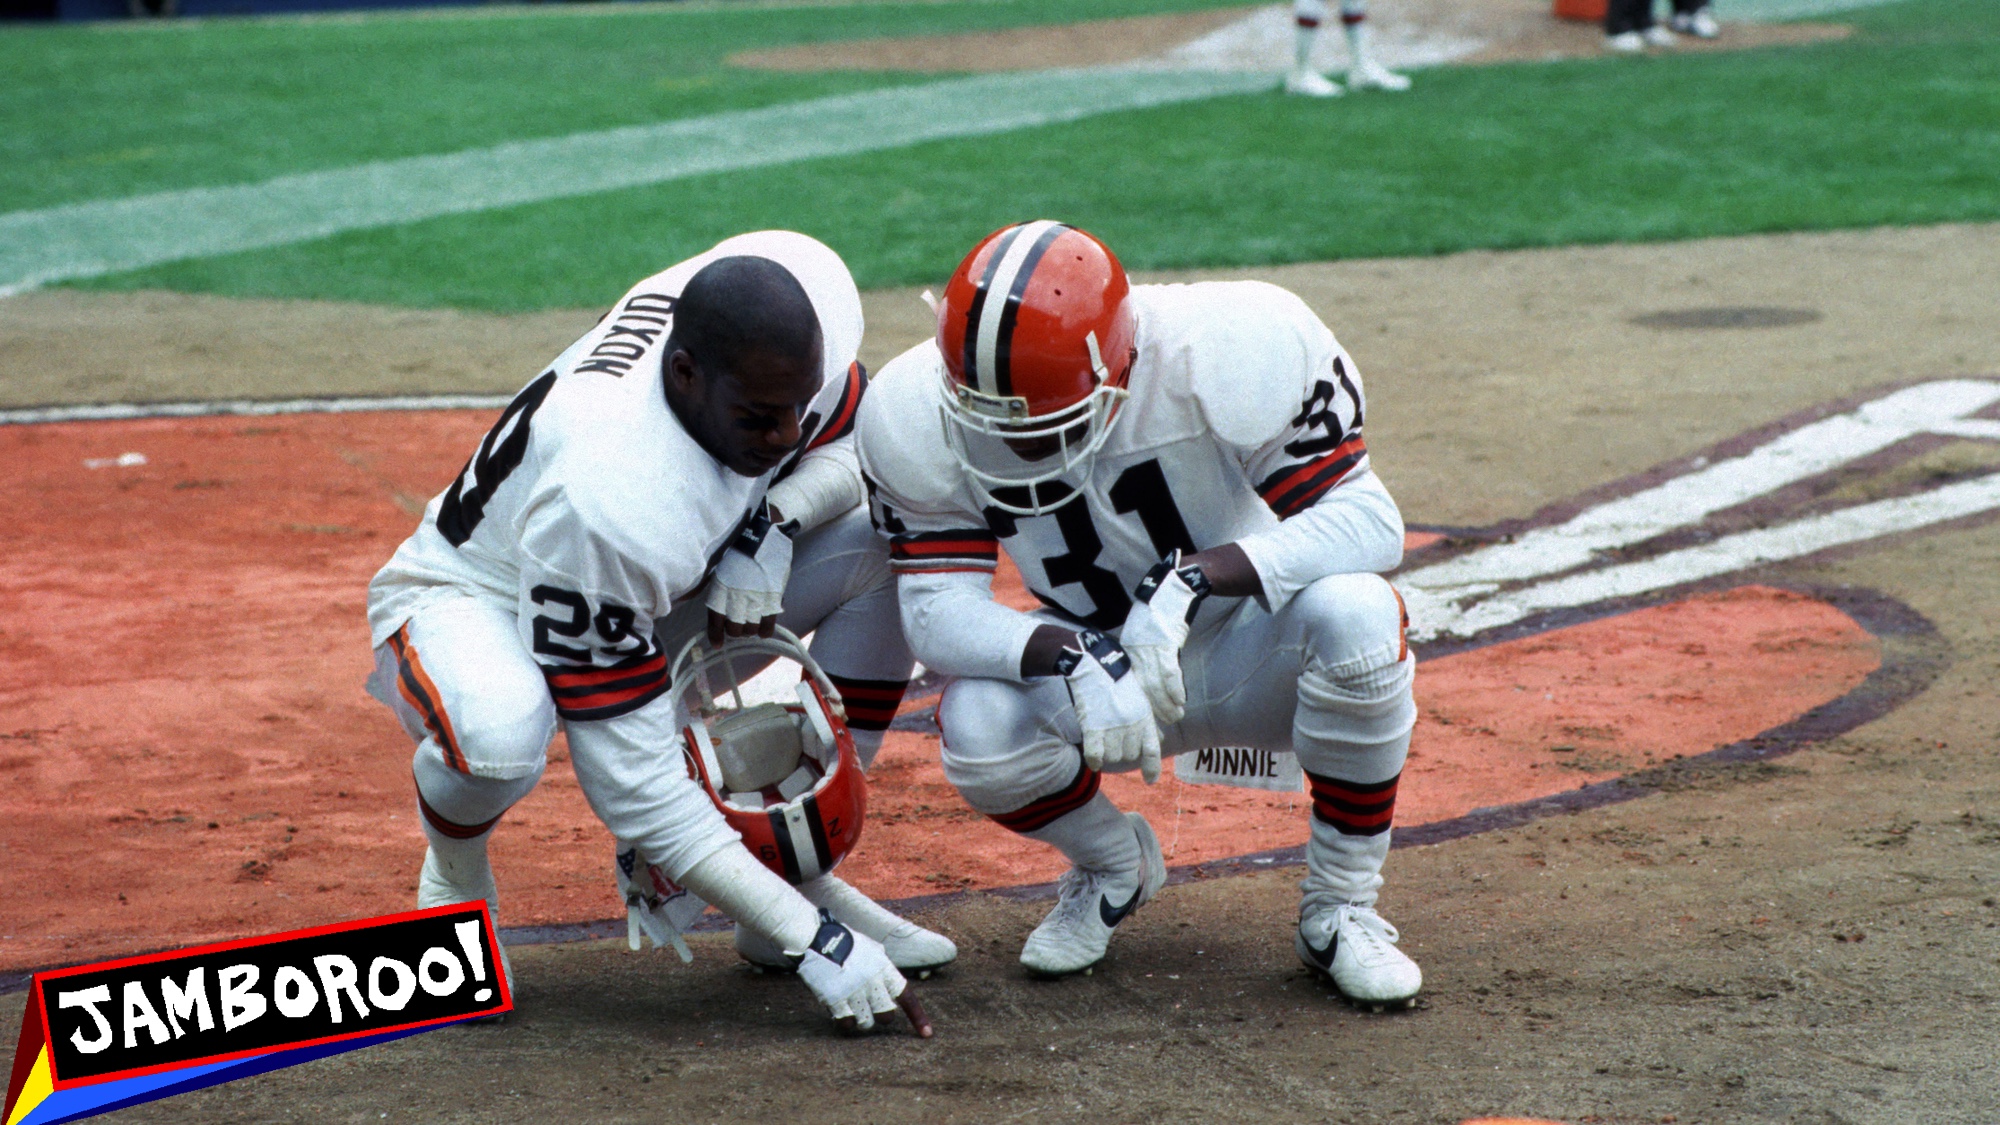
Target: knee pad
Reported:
[(1360, 706), (463, 800), (506, 737), (1353, 625), (847, 547), (997, 751)]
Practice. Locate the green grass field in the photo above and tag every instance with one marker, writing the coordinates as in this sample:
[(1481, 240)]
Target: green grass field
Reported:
[(1899, 124)]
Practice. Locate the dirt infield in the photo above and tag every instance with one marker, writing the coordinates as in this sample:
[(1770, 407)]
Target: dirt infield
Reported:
[(206, 725), (1806, 938), (1465, 31)]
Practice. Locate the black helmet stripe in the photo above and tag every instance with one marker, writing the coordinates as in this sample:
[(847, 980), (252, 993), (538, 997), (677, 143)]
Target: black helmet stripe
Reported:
[(1007, 271), (822, 847), (1003, 375), (978, 379), (788, 855)]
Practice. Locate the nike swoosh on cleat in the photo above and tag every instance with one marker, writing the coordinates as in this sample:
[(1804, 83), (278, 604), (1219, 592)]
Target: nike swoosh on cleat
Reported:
[(1112, 915), (1324, 957)]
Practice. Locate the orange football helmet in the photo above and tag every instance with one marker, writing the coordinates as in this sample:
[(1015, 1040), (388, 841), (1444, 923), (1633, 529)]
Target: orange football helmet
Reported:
[(784, 775), (1037, 336)]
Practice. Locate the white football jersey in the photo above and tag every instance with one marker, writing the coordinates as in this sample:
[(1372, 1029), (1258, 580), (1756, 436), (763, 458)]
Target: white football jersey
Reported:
[(1244, 411), (590, 510)]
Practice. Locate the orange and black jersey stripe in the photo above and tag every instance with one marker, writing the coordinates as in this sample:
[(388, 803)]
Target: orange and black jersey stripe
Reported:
[(1296, 487), (963, 549), (587, 694)]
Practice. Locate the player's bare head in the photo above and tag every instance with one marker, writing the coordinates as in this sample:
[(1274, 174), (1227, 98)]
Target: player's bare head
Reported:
[(743, 361)]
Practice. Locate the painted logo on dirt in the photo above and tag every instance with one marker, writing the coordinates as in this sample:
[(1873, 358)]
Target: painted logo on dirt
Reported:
[(1643, 634), (183, 675), (1687, 564), (1767, 497)]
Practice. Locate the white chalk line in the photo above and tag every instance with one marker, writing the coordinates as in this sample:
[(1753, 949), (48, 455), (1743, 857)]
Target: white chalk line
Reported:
[(1459, 598), (1732, 553), (255, 408), (1684, 500), (112, 236)]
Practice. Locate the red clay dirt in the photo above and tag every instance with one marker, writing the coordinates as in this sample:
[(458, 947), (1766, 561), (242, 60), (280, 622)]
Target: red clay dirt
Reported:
[(187, 754)]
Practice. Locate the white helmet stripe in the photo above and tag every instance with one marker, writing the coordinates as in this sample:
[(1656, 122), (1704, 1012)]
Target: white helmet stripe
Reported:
[(999, 295)]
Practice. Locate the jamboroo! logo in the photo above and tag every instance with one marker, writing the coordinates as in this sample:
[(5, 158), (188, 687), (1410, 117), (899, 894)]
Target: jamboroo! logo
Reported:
[(1725, 529)]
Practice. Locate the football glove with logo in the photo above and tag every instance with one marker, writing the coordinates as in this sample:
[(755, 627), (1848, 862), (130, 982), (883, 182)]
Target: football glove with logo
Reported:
[(656, 907), (1111, 707), (1163, 606), (748, 587), (850, 973)]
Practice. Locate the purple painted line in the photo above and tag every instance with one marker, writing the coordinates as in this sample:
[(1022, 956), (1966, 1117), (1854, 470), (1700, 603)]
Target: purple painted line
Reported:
[(1914, 654)]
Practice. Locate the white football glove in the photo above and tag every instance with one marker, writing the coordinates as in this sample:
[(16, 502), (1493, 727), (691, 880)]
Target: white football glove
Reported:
[(655, 906), (748, 587), (1163, 606), (1117, 720), (850, 973)]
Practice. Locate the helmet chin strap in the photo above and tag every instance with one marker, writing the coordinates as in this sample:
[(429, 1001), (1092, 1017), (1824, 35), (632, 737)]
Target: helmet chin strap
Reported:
[(1097, 367)]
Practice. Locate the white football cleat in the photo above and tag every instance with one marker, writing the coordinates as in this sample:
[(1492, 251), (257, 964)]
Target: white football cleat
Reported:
[(1089, 906), (1658, 36), (1311, 84), (1625, 43), (1699, 23), (1371, 75), (1356, 948), (914, 950)]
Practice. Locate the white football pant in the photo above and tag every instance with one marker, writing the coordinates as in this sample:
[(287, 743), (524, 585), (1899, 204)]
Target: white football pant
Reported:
[(477, 685), (1328, 677)]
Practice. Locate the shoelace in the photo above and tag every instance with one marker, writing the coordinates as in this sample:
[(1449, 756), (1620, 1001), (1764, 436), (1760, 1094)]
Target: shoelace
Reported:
[(1376, 931), (1075, 891)]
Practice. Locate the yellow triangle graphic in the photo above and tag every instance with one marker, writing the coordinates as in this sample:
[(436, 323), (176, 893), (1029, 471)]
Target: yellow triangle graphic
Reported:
[(35, 1090)]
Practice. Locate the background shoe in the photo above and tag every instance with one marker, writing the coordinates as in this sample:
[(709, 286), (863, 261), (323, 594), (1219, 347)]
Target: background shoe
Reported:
[(1089, 905), (1372, 75), (1311, 84), (1356, 948), (1625, 42), (1699, 23), (1657, 36)]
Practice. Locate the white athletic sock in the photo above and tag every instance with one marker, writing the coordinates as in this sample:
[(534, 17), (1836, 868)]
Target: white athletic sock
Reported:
[(1343, 866), (1302, 47), (456, 870), (1352, 736), (1357, 43), (1095, 836), (458, 812)]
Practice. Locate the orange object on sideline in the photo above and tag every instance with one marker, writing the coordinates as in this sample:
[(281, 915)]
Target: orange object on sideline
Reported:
[(1591, 11)]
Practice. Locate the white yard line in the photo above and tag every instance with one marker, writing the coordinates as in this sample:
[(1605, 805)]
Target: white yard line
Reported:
[(1770, 10), (264, 408), (1724, 556), (1939, 407), (1462, 597), (110, 236)]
